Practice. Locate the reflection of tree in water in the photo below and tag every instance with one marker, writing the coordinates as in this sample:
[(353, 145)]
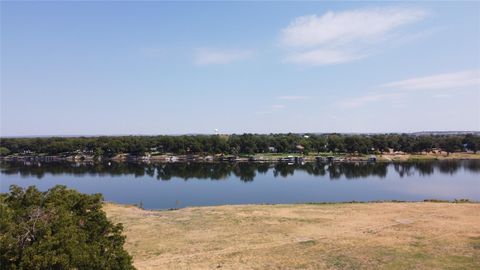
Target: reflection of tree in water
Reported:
[(244, 171), (404, 169), (263, 167), (150, 171), (448, 166), (424, 168), (186, 171), (335, 171), (283, 169), (352, 171), (472, 165), (39, 170), (314, 169)]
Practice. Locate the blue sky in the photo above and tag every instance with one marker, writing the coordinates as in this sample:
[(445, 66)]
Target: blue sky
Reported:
[(93, 68)]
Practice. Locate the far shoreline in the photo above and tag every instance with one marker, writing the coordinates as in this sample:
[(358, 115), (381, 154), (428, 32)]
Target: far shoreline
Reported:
[(295, 158), (319, 203)]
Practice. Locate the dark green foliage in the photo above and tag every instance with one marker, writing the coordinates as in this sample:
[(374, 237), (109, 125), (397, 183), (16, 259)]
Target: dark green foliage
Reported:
[(238, 144), (451, 144), (58, 229), (4, 151), (472, 142)]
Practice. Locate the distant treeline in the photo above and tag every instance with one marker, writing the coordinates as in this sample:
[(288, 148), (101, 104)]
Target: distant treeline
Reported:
[(239, 144)]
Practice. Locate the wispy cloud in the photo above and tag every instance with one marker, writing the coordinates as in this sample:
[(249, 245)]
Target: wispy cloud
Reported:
[(292, 97), (338, 37), (453, 80), (278, 106), (367, 99), (272, 109), (447, 82), (322, 57), (216, 57)]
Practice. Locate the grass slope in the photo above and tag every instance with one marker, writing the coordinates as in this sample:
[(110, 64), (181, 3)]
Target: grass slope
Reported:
[(421, 235)]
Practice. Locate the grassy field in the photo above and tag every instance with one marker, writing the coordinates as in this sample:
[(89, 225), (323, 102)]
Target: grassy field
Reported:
[(305, 236)]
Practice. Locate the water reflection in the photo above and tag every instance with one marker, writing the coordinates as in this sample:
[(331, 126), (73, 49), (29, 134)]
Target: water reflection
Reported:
[(244, 171), (160, 186)]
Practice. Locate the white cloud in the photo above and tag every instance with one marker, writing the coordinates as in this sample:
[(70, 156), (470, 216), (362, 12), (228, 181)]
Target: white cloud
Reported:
[(455, 80), (292, 97), (215, 57), (445, 82), (278, 106), (347, 26), (321, 57), (338, 37), (366, 99)]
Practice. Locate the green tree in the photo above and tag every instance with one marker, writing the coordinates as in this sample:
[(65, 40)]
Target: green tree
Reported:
[(4, 151), (318, 143), (451, 144), (472, 142), (335, 143), (58, 229)]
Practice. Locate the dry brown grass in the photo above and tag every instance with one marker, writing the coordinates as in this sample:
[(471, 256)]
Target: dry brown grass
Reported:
[(309, 236), (429, 156)]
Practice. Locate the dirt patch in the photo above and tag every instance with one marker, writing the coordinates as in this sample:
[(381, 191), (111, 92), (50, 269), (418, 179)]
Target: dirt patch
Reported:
[(338, 236)]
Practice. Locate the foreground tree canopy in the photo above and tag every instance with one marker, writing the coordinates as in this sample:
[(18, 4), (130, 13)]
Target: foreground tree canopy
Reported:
[(58, 229), (238, 144)]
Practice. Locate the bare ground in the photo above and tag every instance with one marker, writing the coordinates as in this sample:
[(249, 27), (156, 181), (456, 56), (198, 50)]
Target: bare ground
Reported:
[(308, 236)]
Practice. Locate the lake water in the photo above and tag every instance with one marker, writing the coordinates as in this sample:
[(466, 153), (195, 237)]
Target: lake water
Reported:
[(174, 185)]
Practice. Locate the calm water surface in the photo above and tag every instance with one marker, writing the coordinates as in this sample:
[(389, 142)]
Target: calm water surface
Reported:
[(159, 186)]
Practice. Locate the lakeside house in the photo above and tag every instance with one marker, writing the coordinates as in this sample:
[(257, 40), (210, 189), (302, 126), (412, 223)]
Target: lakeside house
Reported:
[(300, 148), (272, 149)]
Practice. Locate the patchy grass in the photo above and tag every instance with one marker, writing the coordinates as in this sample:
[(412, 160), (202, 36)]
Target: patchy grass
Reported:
[(475, 242), (423, 235), (343, 262)]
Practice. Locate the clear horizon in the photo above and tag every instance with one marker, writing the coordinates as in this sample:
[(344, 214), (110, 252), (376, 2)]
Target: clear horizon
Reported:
[(208, 134), (165, 68)]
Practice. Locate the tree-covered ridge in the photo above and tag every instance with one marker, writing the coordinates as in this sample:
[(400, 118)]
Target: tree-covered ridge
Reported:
[(58, 229), (238, 144)]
